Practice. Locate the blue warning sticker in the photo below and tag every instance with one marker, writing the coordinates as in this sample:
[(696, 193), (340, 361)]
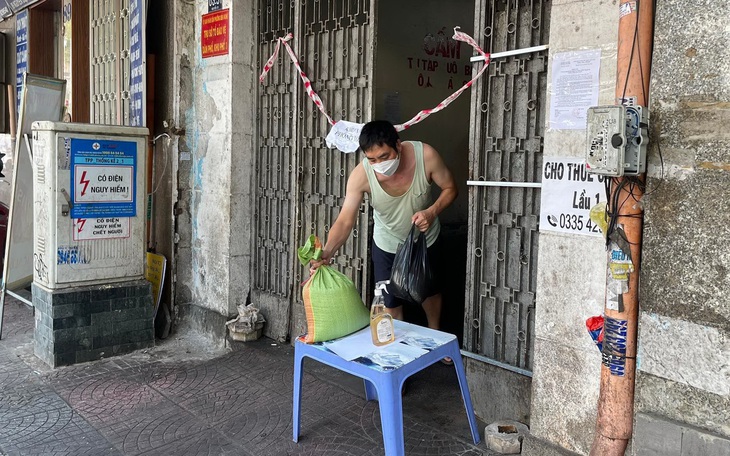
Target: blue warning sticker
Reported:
[(614, 345)]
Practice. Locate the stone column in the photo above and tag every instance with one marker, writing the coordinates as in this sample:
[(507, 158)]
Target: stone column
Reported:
[(217, 111), (572, 269)]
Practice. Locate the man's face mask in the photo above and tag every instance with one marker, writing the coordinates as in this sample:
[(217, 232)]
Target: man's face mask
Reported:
[(388, 167)]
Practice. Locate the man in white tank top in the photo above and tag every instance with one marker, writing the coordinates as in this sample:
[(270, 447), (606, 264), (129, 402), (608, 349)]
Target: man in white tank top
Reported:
[(397, 176)]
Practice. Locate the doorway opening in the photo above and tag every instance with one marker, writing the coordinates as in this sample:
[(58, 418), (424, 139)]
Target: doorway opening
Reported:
[(418, 65)]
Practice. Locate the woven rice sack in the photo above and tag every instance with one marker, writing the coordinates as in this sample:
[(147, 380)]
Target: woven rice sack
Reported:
[(332, 304)]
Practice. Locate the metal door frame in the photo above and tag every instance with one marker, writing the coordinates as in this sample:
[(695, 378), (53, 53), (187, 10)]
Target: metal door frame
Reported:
[(314, 199), (508, 343)]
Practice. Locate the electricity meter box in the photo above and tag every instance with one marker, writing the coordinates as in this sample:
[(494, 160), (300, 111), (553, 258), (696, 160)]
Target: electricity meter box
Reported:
[(88, 203), (616, 139), (606, 139)]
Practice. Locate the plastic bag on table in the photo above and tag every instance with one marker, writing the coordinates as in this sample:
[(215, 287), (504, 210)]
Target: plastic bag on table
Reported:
[(410, 278)]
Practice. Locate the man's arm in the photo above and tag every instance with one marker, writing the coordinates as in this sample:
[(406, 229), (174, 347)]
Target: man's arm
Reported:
[(437, 172), (341, 229)]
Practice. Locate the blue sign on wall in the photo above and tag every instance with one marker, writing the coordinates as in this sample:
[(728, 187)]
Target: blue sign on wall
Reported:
[(136, 65), (103, 178), (21, 54)]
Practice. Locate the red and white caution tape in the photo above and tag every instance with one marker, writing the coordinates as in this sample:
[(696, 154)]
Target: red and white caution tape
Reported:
[(459, 36), (307, 83)]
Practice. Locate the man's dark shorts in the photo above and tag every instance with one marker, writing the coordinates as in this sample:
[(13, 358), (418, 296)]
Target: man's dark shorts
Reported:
[(383, 264)]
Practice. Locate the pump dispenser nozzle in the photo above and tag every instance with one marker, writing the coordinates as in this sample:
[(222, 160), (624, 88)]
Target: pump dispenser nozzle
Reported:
[(381, 286)]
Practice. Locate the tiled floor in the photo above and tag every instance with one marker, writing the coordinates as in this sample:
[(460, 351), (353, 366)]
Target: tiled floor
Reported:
[(184, 397)]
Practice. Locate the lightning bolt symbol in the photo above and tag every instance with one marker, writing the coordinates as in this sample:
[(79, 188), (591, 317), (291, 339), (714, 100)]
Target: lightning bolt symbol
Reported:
[(81, 222), (84, 181)]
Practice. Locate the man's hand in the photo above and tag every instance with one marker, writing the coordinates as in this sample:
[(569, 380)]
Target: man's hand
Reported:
[(314, 264), (423, 219)]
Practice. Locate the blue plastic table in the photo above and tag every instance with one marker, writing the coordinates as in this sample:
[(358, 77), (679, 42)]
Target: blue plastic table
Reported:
[(385, 385)]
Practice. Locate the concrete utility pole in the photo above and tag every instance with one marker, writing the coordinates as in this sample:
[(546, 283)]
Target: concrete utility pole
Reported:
[(614, 424)]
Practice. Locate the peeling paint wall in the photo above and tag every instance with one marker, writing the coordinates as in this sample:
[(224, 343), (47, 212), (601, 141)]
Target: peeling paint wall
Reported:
[(244, 76), (216, 109), (572, 268), (684, 325)]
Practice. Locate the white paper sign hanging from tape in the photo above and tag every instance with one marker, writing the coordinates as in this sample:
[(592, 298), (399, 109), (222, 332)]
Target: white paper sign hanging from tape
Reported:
[(345, 136)]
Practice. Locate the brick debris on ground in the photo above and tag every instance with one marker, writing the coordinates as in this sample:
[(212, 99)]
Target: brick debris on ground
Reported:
[(184, 397)]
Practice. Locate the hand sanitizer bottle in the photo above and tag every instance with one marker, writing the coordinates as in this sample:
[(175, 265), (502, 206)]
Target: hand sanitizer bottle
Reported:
[(381, 323)]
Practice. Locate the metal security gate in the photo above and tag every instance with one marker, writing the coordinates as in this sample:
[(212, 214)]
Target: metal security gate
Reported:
[(110, 61), (300, 183), (507, 128)]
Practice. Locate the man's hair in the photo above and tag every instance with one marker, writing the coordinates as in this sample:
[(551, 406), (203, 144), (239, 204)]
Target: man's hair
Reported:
[(378, 133)]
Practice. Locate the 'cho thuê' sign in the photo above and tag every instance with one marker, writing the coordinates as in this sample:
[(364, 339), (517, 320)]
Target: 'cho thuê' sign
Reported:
[(568, 193)]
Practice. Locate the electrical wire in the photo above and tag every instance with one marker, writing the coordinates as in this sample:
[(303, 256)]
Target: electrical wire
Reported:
[(630, 183), (661, 177), (646, 98), (612, 206), (164, 167), (641, 65), (631, 56)]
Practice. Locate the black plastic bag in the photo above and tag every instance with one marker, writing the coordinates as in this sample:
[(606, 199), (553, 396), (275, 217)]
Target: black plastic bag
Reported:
[(410, 278)]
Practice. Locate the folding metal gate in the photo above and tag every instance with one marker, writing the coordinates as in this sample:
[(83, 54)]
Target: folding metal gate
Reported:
[(110, 62), (507, 128), (300, 183)]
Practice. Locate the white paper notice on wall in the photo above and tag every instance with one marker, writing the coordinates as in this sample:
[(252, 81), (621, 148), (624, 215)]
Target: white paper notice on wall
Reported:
[(568, 194), (575, 87), (345, 136)]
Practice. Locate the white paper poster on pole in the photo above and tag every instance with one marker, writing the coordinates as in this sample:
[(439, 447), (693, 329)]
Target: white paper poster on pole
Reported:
[(568, 194), (575, 87)]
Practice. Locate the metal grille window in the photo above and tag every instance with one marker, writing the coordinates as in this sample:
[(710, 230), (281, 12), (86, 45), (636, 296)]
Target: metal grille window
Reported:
[(508, 117), (301, 183), (110, 61)]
